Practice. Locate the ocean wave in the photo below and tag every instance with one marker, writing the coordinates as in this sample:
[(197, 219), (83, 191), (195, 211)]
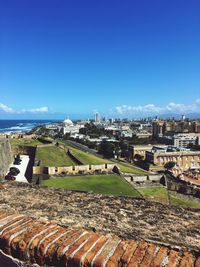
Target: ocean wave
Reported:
[(19, 126)]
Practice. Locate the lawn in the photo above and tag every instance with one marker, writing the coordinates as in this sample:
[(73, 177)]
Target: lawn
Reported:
[(88, 158), (188, 203), (109, 184), (85, 158), (160, 193), (25, 142), (157, 193), (125, 167), (53, 156)]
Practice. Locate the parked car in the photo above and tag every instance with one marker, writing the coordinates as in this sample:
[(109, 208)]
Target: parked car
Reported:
[(17, 162), (14, 171), (10, 177)]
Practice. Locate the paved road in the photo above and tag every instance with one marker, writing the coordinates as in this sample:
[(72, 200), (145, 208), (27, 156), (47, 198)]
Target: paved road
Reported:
[(22, 167)]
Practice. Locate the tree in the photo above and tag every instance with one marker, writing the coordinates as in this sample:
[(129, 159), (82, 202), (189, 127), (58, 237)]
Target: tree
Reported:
[(169, 165), (106, 149)]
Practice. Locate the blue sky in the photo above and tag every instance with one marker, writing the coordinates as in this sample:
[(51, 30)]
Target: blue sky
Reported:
[(121, 58)]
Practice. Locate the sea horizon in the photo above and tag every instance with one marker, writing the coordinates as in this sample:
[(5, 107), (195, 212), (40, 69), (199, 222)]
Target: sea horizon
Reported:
[(22, 126)]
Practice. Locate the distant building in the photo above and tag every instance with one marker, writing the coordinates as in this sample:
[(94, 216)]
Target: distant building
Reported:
[(97, 117), (183, 140), (184, 158), (70, 128), (162, 127)]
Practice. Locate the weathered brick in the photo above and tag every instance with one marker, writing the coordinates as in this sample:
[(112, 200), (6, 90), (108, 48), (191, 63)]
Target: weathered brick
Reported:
[(187, 260), (10, 234), (159, 257), (114, 260), (40, 252), (92, 252), (51, 249), (173, 258), (138, 254), (131, 247), (79, 256), (107, 251), (149, 255), (197, 262), (59, 259), (68, 255)]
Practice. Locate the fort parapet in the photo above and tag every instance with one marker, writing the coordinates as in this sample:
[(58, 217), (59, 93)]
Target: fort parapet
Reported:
[(54, 227)]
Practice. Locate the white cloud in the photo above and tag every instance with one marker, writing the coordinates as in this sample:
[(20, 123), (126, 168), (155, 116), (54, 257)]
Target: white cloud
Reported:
[(151, 109), (38, 110), (5, 109)]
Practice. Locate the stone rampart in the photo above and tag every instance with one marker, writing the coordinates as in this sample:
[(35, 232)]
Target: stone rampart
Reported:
[(54, 227), (6, 156), (73, 170)]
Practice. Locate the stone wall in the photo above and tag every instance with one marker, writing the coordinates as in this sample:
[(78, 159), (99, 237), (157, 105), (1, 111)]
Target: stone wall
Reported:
[(6, 156), (54, 227), (73, 170), (48, 244)]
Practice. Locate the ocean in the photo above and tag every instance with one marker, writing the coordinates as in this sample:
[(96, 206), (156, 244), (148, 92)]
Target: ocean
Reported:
[(9, 126)]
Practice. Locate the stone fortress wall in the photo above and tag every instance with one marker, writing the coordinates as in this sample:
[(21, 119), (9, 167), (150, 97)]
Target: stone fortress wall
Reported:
[(6, 156), (73, 170), (54, 227)]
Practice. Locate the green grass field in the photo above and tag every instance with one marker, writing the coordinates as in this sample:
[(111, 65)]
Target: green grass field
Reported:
[(126, 167), (157, 193), (188, 203), (87, 158), (160, 194), (109, 184), (25, 142), (53, 156)]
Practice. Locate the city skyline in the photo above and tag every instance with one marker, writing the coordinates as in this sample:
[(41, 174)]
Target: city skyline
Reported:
[(123, 60)]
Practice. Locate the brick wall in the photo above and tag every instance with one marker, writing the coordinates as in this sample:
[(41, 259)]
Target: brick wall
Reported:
[(34, 241)]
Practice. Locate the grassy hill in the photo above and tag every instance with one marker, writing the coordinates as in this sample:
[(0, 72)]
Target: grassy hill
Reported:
[(53, 156), (109, 184)]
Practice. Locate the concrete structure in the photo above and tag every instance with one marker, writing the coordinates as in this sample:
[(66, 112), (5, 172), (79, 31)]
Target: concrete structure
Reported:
[(183, 158), (183, 140)]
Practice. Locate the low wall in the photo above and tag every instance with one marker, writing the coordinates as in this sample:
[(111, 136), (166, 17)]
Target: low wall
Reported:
[(31, 240), (143, 178), (73, 170)]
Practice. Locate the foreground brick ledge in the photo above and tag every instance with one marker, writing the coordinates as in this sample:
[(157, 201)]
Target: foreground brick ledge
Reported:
[(34, 241)]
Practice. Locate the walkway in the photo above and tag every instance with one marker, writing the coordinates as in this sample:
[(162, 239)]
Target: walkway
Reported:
[(22, 168)]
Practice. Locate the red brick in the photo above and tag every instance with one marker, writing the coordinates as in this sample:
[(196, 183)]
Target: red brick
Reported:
[(114, 260), (132, 246), (91, 254), (159, 257), (173, 258), (149, 255), (79, 255), (138, 254), (187, 260)]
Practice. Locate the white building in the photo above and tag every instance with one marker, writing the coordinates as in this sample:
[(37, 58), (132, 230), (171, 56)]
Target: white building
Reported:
[(183, 140), (70, 128)]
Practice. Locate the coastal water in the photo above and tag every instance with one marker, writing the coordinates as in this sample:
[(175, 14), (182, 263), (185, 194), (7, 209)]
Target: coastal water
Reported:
[(9, 126)]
